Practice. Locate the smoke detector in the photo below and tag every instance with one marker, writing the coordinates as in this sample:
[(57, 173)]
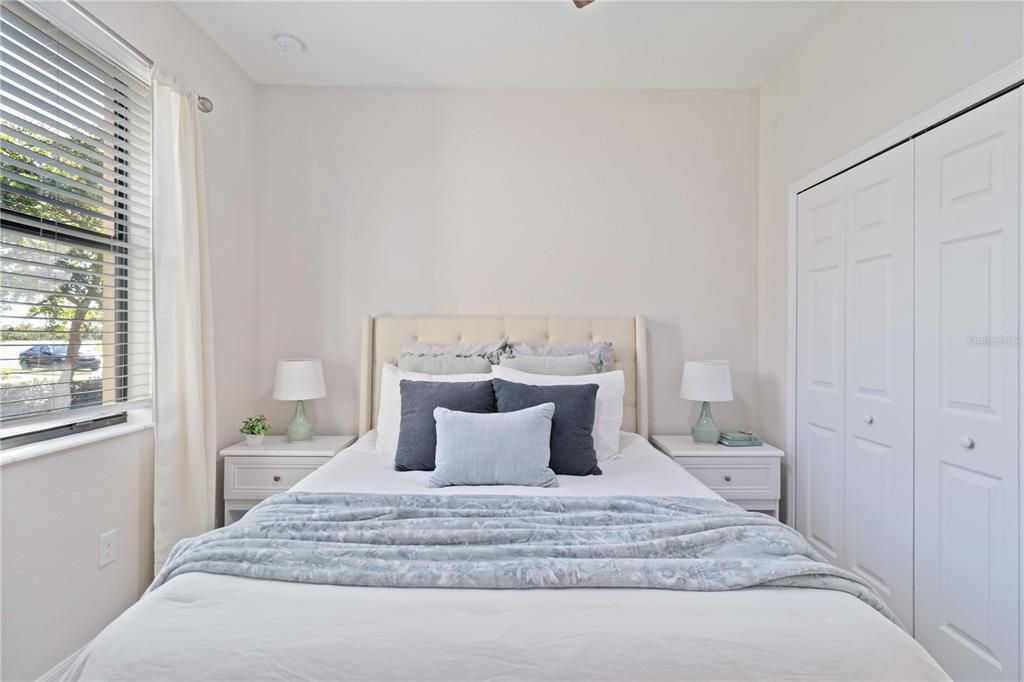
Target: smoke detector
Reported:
[(289, 44)]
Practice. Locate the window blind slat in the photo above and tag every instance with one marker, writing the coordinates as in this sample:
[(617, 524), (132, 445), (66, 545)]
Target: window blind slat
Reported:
[(75, 226), (29, 344), (106, 205), (25, 93), (137, 270), (100, 240), (91, 148), (50, 41), (68, 206), (53, 69), (72, 154), (139, 306), (95, 298), (96, 279), (70, 176), (70, 91), (116, 124), (130, 355)]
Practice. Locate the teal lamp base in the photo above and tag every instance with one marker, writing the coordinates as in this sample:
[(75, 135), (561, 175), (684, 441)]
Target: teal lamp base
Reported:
[(705, 430), (301, 429)]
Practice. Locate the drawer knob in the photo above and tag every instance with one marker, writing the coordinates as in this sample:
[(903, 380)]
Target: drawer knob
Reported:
[(868, 419), (728, 478), (277, 478), (967, 443)]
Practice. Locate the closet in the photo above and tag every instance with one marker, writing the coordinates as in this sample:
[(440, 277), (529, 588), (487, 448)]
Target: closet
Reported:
[(908, 422)]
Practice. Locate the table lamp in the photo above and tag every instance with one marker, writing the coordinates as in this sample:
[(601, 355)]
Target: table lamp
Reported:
[(707, 381), (299, 380)]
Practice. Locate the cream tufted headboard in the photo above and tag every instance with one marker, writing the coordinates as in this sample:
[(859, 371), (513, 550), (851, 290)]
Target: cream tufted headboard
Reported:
[(384, 336)]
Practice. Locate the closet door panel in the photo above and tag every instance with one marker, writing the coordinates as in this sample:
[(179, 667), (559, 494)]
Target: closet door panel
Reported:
[(820, 367), (879, 478), (967, 400)]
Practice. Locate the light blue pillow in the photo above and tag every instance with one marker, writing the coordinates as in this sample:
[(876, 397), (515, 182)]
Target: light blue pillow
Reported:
[(558, 365), (508, 448)]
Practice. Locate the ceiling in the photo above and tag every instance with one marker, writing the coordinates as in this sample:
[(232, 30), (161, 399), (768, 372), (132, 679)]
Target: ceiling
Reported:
[(511, 44)]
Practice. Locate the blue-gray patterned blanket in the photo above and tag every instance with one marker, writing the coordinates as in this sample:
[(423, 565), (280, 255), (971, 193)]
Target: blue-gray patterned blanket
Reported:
[(511, 542)]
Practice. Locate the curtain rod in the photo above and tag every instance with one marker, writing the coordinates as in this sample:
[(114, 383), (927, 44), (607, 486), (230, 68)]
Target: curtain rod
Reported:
[(205, 104)]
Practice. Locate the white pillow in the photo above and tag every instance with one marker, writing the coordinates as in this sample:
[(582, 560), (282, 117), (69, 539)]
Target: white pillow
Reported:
[(389, 416), (611, 389)]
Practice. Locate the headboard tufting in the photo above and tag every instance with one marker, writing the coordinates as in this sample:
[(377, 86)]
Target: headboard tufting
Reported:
[(384, 336)]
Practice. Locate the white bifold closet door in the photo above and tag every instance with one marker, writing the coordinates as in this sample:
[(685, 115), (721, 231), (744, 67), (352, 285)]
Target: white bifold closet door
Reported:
[(821, 373), (967, 395), (879, 537), (855, 373)]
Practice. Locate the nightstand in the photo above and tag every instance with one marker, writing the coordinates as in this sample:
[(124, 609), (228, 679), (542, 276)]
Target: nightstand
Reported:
[(749, 477), (252, 474)]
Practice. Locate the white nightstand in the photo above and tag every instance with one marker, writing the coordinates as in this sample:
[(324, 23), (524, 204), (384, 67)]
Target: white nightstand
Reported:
[(750, 477), (255, 473)]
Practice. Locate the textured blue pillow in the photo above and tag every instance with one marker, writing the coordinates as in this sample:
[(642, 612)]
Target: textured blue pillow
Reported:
[(572, 430), (512, 448), (417, 438)]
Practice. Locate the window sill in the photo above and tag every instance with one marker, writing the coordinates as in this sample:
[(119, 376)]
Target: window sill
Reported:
[(77, 440)]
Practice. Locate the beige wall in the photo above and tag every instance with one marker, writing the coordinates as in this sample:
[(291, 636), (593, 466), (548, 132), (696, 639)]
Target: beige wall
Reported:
[(509, 202), (54, 507), (868, 68)]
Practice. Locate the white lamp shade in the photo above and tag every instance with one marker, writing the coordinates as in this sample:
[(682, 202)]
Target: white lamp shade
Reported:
[(299, 380), (706, 380)]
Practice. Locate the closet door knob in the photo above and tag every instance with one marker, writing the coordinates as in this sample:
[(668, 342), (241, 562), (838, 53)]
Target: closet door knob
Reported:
[(868, 419), (277, 478), (967, 443), (728, 478)]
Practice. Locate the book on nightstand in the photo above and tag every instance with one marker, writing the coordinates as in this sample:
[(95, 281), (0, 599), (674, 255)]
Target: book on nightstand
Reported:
[(739, 439)]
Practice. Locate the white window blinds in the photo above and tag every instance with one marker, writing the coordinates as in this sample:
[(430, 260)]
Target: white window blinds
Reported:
[(75, 295)]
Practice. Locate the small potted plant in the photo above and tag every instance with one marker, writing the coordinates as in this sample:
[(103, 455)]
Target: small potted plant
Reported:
[(254, 428)]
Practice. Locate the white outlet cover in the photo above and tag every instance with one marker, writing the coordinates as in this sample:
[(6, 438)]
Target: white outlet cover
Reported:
[(107, 547)]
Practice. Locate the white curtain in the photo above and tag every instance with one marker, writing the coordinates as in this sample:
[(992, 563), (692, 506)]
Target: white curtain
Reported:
[(184, 486)]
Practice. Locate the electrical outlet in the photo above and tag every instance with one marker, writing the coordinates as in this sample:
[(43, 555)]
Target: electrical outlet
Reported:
[(108, 547)]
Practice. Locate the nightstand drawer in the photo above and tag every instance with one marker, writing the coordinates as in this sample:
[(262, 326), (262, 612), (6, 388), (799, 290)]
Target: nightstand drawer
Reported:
[(248, 478), (739, 478)]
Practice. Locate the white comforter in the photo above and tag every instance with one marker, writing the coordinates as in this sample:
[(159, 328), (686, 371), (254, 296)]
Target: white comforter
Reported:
[(201, 626)]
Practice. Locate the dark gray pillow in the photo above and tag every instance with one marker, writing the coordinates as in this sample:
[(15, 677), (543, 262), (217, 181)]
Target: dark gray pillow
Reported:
[(572, 429), (417, 437)]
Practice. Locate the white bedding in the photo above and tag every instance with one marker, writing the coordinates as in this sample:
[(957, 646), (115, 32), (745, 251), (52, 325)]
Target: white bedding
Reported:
[(639, 469), (203, 626)]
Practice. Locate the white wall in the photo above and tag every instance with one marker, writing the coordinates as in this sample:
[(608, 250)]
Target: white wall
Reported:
[(54, 508), (508, 202), (868, 68), (55, 598)]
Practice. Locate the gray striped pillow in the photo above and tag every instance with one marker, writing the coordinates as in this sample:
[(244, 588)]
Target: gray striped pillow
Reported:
[(600, 352), (560, 365)]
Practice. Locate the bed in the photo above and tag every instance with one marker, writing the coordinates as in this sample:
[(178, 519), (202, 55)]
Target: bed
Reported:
[(208, 626)]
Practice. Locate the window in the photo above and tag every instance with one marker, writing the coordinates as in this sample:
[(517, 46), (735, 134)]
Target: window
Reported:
[(75, 260)]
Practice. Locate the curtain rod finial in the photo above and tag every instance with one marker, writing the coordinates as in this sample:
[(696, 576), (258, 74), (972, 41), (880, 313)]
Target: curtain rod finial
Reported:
[(205, 104)]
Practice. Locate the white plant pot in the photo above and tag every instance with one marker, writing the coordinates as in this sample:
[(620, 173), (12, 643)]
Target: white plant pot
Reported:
[(253, 440)]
